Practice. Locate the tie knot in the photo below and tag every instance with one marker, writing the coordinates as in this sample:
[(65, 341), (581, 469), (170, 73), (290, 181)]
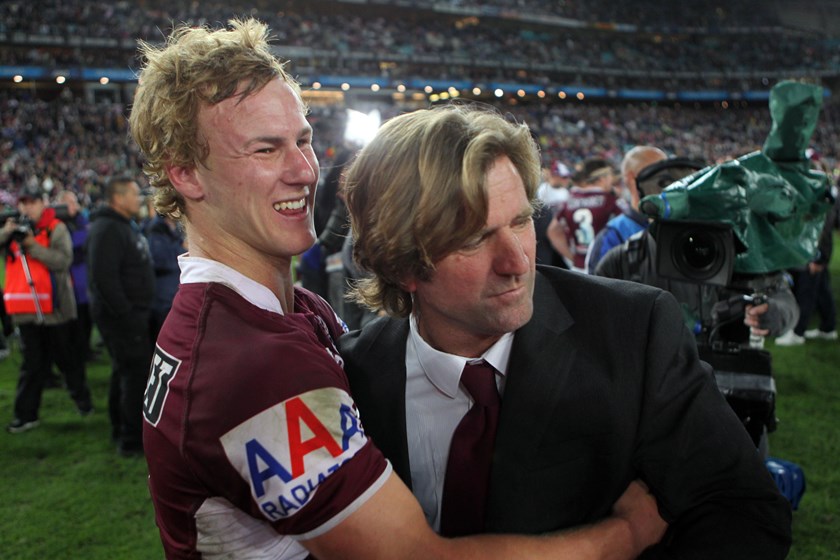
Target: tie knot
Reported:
[(479, 380)]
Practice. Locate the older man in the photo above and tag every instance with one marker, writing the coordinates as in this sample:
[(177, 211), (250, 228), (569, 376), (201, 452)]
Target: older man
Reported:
[(441, 204)]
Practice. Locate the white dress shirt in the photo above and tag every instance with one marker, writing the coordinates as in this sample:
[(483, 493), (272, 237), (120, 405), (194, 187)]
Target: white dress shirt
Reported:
[(435, 404)]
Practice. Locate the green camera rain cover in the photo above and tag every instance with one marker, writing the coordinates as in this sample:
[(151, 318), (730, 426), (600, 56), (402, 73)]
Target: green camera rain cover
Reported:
[(774, 201)]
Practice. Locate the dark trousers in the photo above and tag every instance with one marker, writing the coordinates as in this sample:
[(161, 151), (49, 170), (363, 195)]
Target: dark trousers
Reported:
[(813, 293), (83, 329), (128, 344), (41, 345)]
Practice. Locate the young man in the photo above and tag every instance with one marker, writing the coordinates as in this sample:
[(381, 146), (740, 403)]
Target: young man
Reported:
[(254, 444), (600, 380), (591, 204)]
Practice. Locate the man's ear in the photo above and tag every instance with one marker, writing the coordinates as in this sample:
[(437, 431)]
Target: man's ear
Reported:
[(409, 283), (185, 180)]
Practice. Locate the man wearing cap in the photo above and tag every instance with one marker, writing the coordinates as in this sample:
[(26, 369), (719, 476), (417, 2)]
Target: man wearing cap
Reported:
[(38, 294), (555, 190)]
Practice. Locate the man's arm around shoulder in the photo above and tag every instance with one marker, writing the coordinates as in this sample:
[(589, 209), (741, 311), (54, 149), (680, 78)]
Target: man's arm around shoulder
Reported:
[(391, 525)]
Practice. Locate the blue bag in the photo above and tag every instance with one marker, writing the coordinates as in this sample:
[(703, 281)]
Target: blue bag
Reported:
[(789, 478)]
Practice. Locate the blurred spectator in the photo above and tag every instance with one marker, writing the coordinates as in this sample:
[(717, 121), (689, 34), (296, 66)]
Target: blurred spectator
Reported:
[(39, 296), (77, 223), (812, 288), (592, 202), (166, 242), (552, 192), (630, 221), (121, 281)]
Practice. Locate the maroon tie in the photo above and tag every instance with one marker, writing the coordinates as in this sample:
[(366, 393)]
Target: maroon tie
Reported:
[(471, 454)]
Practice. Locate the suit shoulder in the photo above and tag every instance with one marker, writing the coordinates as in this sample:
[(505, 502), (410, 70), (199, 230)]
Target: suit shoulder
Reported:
[(359, 341), (570, 282)]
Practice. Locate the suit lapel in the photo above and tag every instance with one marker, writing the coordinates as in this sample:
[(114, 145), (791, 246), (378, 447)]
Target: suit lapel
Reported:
[(386, 355), (538, 364)]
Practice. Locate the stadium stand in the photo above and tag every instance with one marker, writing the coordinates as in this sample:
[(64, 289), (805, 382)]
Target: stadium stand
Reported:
[(592, 79)]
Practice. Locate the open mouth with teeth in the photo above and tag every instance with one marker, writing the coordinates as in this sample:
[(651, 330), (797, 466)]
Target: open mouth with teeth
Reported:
[(290, 206)]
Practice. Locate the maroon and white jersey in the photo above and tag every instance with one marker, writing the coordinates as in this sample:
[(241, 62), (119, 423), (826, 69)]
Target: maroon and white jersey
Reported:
[(252, 439), (582, 216)]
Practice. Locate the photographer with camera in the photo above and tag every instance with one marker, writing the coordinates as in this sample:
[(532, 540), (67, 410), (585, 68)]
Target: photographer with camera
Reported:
[(39, 296), (722, 239), (727, 313)]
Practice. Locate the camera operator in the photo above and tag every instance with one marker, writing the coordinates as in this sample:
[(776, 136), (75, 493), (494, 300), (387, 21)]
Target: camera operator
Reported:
[(39, 296), (730, 314), (706, 304)]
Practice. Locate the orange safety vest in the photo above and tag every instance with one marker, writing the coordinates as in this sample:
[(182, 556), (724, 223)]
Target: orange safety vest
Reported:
[(17, 295)]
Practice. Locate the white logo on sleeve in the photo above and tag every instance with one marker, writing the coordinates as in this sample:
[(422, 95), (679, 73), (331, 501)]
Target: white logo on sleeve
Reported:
[(286, 451), (161, 372)]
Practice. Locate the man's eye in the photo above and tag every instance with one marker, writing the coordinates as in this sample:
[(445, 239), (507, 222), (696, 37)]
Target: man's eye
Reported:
[(523, 223), (473, 243)]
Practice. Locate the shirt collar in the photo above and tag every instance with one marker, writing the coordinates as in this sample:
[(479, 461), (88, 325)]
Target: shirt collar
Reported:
[(444, 370), (198, 269)]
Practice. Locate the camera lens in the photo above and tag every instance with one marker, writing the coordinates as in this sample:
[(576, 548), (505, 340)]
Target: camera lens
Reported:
[(698, 253), (700, 250)]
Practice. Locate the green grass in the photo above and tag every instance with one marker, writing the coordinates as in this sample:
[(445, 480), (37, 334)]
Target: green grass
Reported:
[(67, 494)]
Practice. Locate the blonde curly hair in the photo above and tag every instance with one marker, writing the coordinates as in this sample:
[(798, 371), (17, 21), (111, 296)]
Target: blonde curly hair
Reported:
[(196, 67)]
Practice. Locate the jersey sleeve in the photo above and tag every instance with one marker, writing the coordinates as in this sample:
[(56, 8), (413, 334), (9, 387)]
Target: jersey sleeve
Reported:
[(306, 461), (270, 424)]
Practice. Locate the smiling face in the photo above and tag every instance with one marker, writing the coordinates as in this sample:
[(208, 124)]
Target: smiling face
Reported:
[(249, 204), (484, 290)]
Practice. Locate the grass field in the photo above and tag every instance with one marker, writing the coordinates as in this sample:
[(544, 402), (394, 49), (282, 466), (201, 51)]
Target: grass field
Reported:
[(67, 494)]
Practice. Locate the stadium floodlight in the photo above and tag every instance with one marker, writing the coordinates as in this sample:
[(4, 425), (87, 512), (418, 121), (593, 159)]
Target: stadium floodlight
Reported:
[(361, 128)]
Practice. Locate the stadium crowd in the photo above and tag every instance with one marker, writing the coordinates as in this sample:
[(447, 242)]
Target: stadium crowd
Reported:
[(398, 42), (70, 143)]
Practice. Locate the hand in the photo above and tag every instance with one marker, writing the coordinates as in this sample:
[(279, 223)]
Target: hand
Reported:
[(637, 506), (815, 267), (9, 226), (752, 318)]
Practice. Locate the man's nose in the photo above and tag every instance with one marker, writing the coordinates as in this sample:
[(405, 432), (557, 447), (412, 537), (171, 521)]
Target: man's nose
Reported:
[(511, 259)]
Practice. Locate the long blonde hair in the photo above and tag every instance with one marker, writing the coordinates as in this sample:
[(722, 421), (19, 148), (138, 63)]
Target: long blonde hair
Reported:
[(417, 193)]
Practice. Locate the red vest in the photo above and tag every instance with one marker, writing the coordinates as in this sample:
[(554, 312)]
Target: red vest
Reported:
[(17, 295)]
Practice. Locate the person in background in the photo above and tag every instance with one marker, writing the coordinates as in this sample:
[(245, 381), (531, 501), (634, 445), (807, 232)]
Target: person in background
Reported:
[(592, 202), (441, 205), (552, 192), (621, 227), (812, 289), (254, 444), (166, 244), (77, 223), (38, 294), (121, 282)]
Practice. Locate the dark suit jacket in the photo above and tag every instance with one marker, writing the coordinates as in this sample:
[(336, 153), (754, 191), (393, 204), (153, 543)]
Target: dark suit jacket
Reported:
[(604, 386)]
